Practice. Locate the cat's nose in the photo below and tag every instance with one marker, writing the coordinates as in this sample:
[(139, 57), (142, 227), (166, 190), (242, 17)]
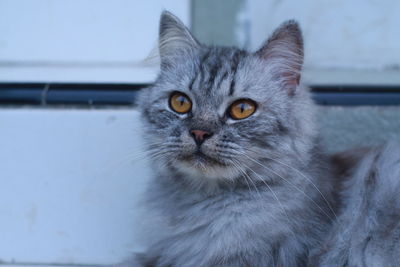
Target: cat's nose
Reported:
[(199, 135)]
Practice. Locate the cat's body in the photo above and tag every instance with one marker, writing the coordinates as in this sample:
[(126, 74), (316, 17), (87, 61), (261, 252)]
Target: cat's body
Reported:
[(367, 232), (239, 177)]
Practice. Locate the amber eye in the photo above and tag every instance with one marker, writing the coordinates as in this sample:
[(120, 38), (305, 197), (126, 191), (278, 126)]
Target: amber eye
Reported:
[(242, 109), (180, 103)]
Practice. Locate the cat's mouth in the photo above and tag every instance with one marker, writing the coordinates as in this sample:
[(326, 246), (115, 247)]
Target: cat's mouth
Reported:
[(199, 164), (199, 159)]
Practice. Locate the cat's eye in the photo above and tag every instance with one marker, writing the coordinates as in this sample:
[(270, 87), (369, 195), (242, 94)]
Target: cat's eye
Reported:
[(180, 103), (242, 108)]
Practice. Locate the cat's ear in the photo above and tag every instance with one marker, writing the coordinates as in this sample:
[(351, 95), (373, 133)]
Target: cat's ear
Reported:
[(284, 53), (175, 39)]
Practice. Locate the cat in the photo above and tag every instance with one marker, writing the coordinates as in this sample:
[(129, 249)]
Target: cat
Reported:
[(239, 176)]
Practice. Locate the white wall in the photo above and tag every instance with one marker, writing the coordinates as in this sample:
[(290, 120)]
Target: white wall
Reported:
[(346, 42), (80, 40), (70, 181)]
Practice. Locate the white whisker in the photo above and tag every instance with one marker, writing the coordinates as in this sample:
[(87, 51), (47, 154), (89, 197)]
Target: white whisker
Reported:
[(308, 179), (273, 193), (289, 182)]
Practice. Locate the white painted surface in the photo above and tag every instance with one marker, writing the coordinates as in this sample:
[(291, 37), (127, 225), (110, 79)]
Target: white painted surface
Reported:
[(354, 41), (80, 40), (70, 185)]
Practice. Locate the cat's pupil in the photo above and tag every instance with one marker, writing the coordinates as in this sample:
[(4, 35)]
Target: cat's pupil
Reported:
[(242, 107)]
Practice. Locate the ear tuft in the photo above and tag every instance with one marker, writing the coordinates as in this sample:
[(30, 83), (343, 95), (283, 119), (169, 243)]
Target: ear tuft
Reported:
[(174, 38), (284, 51)]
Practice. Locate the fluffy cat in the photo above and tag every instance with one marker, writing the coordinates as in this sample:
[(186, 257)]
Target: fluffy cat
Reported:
[(239, 176)]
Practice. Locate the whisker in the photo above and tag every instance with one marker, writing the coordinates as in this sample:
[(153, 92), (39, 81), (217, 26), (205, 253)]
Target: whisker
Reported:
[(289, 182), (308, 179), (245, 177), (273, 193)]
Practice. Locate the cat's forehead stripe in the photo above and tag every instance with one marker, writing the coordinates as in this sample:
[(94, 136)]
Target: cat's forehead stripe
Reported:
[(235, 63), (223, 78), (200, 72), (213, 74), (216, 66)]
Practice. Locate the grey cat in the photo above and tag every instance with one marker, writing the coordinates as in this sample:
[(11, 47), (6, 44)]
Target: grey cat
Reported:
[(239, 176)]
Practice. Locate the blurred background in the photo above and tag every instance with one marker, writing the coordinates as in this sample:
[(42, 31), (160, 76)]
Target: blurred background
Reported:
[(72, 170)]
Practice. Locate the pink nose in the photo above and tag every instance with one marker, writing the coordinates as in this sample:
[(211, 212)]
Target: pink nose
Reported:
[(200, 135)]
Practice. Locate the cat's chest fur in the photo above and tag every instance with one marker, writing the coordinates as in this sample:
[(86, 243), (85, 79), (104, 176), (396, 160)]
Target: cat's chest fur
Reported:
[(231, 222)]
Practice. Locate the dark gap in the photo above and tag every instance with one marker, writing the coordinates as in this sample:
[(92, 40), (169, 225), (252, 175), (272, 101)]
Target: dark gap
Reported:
[(355, 88), (68, 93), (125, 94), (355, 95)]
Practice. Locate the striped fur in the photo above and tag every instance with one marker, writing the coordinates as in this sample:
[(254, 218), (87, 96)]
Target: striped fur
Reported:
[(242, 205), (261, 193)]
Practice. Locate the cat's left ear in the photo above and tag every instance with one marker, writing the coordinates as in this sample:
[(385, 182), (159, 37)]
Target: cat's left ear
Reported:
[(175, 40), (284, 53)]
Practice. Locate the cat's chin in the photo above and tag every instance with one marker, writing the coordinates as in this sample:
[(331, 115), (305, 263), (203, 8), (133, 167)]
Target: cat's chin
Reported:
[(200, 166)]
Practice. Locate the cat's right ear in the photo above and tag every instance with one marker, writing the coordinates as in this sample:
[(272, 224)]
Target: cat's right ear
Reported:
[(175, 39)]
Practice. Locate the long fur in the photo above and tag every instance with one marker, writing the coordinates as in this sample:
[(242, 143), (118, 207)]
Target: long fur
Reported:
[(267, 201), (367, 232), (262, 193)]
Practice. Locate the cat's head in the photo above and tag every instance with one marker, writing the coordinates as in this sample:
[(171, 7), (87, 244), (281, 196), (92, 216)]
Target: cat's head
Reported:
[(214, 112)]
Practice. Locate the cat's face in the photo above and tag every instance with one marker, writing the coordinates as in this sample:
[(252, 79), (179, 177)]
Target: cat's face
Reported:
[(214, 112)]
